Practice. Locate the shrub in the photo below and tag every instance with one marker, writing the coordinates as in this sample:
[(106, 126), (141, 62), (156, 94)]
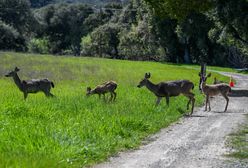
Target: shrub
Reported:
[(36, 45)]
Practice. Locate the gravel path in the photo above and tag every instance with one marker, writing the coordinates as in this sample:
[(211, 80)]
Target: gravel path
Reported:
[(193, 142)]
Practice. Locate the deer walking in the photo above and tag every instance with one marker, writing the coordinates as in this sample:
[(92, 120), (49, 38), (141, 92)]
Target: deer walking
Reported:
[(213, 90), (31, 86), (109, 86), (169, 89)]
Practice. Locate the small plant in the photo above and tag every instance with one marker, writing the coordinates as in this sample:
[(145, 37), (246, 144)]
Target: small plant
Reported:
[(40, 46)]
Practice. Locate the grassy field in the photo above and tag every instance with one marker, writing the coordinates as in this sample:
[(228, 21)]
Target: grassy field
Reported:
[(73, 130)]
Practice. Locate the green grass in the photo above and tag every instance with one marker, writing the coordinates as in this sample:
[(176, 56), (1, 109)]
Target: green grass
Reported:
[(239, 142), (73, 130), (215, 68)]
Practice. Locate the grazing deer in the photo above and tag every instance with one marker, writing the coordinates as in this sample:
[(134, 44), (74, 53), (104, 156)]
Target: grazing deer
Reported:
[(105, 87), (31, 86), (213, 90), (216, 81), (169, 89)]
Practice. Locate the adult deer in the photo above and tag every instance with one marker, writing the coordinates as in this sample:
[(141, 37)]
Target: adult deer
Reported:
[(169, 89), (109, 86), (31, 86), (213, 90)]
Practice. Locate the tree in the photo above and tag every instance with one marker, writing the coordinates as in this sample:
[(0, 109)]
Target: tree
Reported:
[(178, 9), (16, 13), (10, 38), (103, 41), (63, 25), (40, 3)]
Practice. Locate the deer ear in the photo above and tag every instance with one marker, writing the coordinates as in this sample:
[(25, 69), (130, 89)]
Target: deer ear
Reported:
[(17, 69), (147, 75), (209, 75)]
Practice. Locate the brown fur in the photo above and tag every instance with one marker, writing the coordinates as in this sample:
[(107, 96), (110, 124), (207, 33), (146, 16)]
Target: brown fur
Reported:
[(170, 89), (31, 86), (214, 90), (109, 86)]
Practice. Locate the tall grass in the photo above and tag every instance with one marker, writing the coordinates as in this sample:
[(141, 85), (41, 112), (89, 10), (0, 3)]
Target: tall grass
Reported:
[(73, 130)]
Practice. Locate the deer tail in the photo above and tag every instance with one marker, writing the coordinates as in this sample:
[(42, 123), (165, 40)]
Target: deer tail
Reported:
[(52, 84)]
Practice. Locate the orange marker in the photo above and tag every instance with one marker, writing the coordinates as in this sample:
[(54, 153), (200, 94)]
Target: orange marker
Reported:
[(231, 83)]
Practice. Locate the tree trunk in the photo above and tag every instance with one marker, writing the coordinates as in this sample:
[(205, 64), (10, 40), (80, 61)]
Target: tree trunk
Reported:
[(186, 52)]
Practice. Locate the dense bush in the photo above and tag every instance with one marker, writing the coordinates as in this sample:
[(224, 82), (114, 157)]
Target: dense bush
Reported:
[(10, 38), (39, 46)]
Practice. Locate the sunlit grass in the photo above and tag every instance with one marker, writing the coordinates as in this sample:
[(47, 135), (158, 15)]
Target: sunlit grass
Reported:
[(73, 130), (239, 142)]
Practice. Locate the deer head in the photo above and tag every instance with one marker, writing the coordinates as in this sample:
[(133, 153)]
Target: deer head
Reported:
[(12, 73), (144, 81), (88, 90)]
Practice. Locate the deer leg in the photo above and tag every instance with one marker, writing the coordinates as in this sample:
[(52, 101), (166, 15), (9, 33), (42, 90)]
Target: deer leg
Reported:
[(209, 108), (111, 96), (207, 97), (188, 103), (51, 95), (227, 101), (193, 104), (114, 95), (158, 100), (167, 100), (25, 95)]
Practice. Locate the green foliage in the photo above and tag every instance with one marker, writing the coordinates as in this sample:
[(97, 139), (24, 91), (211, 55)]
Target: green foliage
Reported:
[(40, 46), (16, 13), (211, 31), (103, 41), (10, 38), (73, 130), (86, 48), (178, 9), (63, 25), (40, 3)]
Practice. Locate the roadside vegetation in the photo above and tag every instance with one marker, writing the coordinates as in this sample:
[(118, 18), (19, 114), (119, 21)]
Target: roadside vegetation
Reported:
[(209, 31), (239, 143), (75, 130)]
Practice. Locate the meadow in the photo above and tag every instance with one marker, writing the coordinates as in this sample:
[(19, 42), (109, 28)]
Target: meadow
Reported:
[(73, 130)]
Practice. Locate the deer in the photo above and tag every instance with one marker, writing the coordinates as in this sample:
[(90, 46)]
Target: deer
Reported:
[(31, 86), (102, 89), (169, 89), (216, 81), (214, 90)]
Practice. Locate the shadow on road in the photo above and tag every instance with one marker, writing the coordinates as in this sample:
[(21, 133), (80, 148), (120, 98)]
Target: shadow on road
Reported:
[(239, 93), (187, 115)]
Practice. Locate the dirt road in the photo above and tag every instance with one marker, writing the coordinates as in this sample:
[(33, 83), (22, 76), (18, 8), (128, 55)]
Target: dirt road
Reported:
[(193, 142)]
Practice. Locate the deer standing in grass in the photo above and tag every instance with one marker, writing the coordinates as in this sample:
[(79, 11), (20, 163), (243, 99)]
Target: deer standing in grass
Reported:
[(109, 86), (31, 86), (169, 89), (213, 90)]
